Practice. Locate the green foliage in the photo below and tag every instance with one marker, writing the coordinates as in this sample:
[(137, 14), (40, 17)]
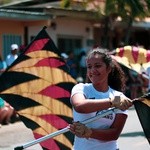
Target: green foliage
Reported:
[(123, 8), (5, 2), (128, 8), (65, 3), (110, 10)]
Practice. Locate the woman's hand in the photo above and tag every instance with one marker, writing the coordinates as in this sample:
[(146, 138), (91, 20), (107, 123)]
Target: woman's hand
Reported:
[(80, 130), (121, 102)]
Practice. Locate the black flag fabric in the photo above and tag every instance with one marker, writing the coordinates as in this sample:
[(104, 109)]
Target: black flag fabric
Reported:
[(143, 112), (38, 86)]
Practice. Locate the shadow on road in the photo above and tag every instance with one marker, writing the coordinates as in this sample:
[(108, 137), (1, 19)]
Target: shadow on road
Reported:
[(132, 134)]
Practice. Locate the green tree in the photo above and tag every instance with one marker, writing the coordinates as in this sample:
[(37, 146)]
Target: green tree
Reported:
[(129, 11), (6, 1), (107, 14)]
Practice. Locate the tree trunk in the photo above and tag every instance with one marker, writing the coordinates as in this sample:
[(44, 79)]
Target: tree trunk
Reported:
[(128, 33), (106, 31)]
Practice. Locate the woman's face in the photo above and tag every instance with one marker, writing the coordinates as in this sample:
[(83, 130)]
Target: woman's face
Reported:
[(97, 70)]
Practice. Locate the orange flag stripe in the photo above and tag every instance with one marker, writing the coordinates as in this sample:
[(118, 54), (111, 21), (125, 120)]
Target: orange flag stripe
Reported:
[(49, 128), (45, 128), (48, 107), (35, 57), (52, 75), (42, 54), (147, 102), (30, 87)]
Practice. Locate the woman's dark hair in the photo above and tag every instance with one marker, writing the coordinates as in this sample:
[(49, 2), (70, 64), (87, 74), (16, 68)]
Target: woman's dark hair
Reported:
[(116, 78)]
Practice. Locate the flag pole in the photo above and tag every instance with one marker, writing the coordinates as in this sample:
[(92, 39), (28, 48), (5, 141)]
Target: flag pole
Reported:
[(64, 130)]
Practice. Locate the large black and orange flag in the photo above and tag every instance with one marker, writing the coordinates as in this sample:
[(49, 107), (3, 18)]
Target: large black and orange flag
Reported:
[(38, 86)]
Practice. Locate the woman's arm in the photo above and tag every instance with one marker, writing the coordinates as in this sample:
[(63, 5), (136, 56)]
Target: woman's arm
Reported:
[(113, 132), (109, 134), (83, 105)]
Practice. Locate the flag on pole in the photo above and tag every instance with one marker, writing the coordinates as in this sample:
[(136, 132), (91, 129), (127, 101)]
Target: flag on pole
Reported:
[(38, 86), (135, 58), (138, 60), (143, 112)]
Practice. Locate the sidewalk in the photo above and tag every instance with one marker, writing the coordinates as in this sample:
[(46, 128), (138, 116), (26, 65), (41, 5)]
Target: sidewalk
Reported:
[(132, 137), (14, 135)]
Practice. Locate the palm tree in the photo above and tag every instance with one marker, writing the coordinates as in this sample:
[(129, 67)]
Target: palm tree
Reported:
[(127, 10)]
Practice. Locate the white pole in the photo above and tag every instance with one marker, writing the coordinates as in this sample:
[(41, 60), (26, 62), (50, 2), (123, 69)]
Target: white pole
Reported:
[(64, 130)]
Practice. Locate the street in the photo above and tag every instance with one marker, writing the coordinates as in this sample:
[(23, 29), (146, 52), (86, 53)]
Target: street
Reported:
[(132, 137)]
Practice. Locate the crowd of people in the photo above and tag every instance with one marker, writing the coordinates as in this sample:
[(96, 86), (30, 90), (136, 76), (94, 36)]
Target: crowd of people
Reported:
[(76, 65), (136, 84)]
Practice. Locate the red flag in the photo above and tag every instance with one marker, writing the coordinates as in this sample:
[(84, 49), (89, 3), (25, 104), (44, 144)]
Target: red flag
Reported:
[(38, 86)]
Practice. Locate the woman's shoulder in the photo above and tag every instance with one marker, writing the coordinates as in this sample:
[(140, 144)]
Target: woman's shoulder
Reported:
[(83, 85), (83, 88), (116, 92)]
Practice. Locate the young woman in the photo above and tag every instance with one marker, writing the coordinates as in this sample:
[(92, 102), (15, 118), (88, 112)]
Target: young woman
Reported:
[(89, 99)]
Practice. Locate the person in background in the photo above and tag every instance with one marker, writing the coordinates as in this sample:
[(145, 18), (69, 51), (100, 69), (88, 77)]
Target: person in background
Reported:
[(103, 91), (9, 60), (82, 65), (72, 64), (6, 112), (3, 65), (21, 48), (135, 84), (13, 55), (64, 56), (148, 75), (145, 79)]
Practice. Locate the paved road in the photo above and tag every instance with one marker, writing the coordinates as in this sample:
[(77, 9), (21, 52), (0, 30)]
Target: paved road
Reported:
[(132, 137)]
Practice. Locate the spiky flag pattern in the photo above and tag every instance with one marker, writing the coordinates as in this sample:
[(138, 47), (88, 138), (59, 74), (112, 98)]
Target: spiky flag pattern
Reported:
[(38, 86), (143, 112), (136, 58), (133, 57)]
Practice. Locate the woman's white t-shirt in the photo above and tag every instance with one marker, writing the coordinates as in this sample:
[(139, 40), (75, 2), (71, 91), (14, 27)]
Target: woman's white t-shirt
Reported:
[(103, 123)]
